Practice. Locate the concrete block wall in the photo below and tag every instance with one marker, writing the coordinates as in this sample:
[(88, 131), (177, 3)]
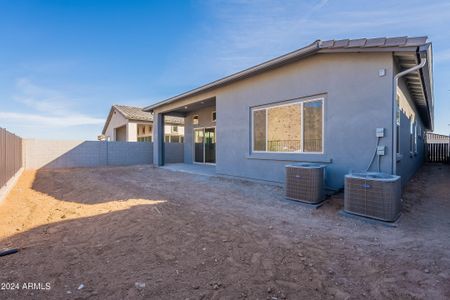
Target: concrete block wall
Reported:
[(129, 153), (69, 154), (174, 153)]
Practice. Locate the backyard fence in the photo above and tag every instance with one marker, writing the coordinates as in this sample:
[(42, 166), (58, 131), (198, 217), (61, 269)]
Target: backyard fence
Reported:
[(438, 152), (10, 155)]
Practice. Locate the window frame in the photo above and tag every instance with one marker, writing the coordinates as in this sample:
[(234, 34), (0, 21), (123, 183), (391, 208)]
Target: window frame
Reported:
[(299, 101)]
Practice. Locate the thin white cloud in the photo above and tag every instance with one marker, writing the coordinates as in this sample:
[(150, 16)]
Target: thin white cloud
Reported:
[(45, 107), (14, 118), (42, 99)]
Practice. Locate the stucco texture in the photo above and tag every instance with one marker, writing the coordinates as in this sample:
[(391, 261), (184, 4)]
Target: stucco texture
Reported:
[(357, 101)]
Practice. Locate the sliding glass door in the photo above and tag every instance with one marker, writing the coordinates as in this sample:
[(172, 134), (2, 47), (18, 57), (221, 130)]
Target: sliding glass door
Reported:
[(199, 145), (205, 145)]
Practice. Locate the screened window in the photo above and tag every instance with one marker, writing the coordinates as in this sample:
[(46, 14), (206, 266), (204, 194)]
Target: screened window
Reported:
[(397, 123), (415, 137), (195, 120), (411, 135), (213, 116), (294, 127)]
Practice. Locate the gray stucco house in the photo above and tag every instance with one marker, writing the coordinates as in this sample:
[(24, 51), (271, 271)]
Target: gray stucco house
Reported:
[(322, 103)]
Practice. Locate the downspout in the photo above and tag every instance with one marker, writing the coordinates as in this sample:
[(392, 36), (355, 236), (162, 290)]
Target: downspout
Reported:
[(422, 63)]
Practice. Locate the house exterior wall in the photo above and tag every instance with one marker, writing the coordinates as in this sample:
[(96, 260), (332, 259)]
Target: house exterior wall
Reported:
[(131, 131), (117, 120), (204, 120), (120, 134), (409, 162), (356, 102)]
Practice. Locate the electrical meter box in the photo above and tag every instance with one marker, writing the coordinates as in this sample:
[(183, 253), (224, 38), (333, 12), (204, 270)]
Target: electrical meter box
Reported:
[(380, 132), (381, 150)]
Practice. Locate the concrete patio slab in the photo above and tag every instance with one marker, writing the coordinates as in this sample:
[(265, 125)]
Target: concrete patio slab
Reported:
[(197, 169)]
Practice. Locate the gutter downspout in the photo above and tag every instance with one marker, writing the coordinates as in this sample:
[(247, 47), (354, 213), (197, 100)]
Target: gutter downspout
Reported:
[(422, 63)]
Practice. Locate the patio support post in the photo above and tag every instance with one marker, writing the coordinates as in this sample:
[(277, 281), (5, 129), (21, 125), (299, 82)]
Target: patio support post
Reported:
[(158, 139)]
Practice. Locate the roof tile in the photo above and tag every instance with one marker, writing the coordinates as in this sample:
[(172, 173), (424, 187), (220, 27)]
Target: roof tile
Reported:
[(341, 43), (137, 114), (376, 42), (396, 41), (357, 43)]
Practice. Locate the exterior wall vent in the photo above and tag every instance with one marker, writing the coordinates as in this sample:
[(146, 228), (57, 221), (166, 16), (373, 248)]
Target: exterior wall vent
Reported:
[(305, 182), (373, 195)]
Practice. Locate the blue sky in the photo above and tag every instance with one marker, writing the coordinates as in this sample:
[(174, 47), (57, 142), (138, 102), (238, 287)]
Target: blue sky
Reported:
[(64, 63)]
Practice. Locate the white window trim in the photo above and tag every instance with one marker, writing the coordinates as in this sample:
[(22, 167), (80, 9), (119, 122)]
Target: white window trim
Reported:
[(296, 101)]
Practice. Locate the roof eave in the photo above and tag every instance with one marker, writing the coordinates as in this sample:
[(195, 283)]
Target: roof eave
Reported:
[(108, 119), (425, 51)]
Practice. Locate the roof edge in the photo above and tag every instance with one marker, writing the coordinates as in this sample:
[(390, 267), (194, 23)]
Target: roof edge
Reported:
[(280, 60), (108, 119), (331, 46)]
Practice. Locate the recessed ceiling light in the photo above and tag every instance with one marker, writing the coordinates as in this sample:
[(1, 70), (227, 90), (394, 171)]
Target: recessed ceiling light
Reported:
[(185, 107), (202, 102)]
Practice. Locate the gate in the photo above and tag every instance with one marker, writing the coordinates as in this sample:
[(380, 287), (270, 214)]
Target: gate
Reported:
[(438, 152)]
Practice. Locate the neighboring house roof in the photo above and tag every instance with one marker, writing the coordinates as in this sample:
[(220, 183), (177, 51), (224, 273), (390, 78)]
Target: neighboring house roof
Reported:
[(417, 45), (133, 113)]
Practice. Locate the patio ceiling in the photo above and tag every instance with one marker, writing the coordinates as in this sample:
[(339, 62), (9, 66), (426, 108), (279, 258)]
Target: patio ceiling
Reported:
[(182, 111)]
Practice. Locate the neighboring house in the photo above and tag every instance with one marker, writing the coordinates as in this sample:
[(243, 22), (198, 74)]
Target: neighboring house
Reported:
[(435, 138), (322, 103), (132, 124)]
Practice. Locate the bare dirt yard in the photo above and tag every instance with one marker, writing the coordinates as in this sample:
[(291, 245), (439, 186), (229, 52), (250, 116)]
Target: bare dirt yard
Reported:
[(143, 232)]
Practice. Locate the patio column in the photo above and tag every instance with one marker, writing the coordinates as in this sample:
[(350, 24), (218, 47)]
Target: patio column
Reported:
[(158, 139), (131, 132)]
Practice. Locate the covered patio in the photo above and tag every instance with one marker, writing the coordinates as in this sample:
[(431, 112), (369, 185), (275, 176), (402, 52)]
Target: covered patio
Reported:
[(199, 134)]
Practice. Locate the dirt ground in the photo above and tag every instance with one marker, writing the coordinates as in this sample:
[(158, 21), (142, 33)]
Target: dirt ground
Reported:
[(143, 232)]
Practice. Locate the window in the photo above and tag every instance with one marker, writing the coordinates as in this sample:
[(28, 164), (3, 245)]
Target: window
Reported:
[(167, 139), (174, 128), (195, 120), (397, 122), (293, 127), (412, 136), (415, 137), (145, 139), (213, 116)]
